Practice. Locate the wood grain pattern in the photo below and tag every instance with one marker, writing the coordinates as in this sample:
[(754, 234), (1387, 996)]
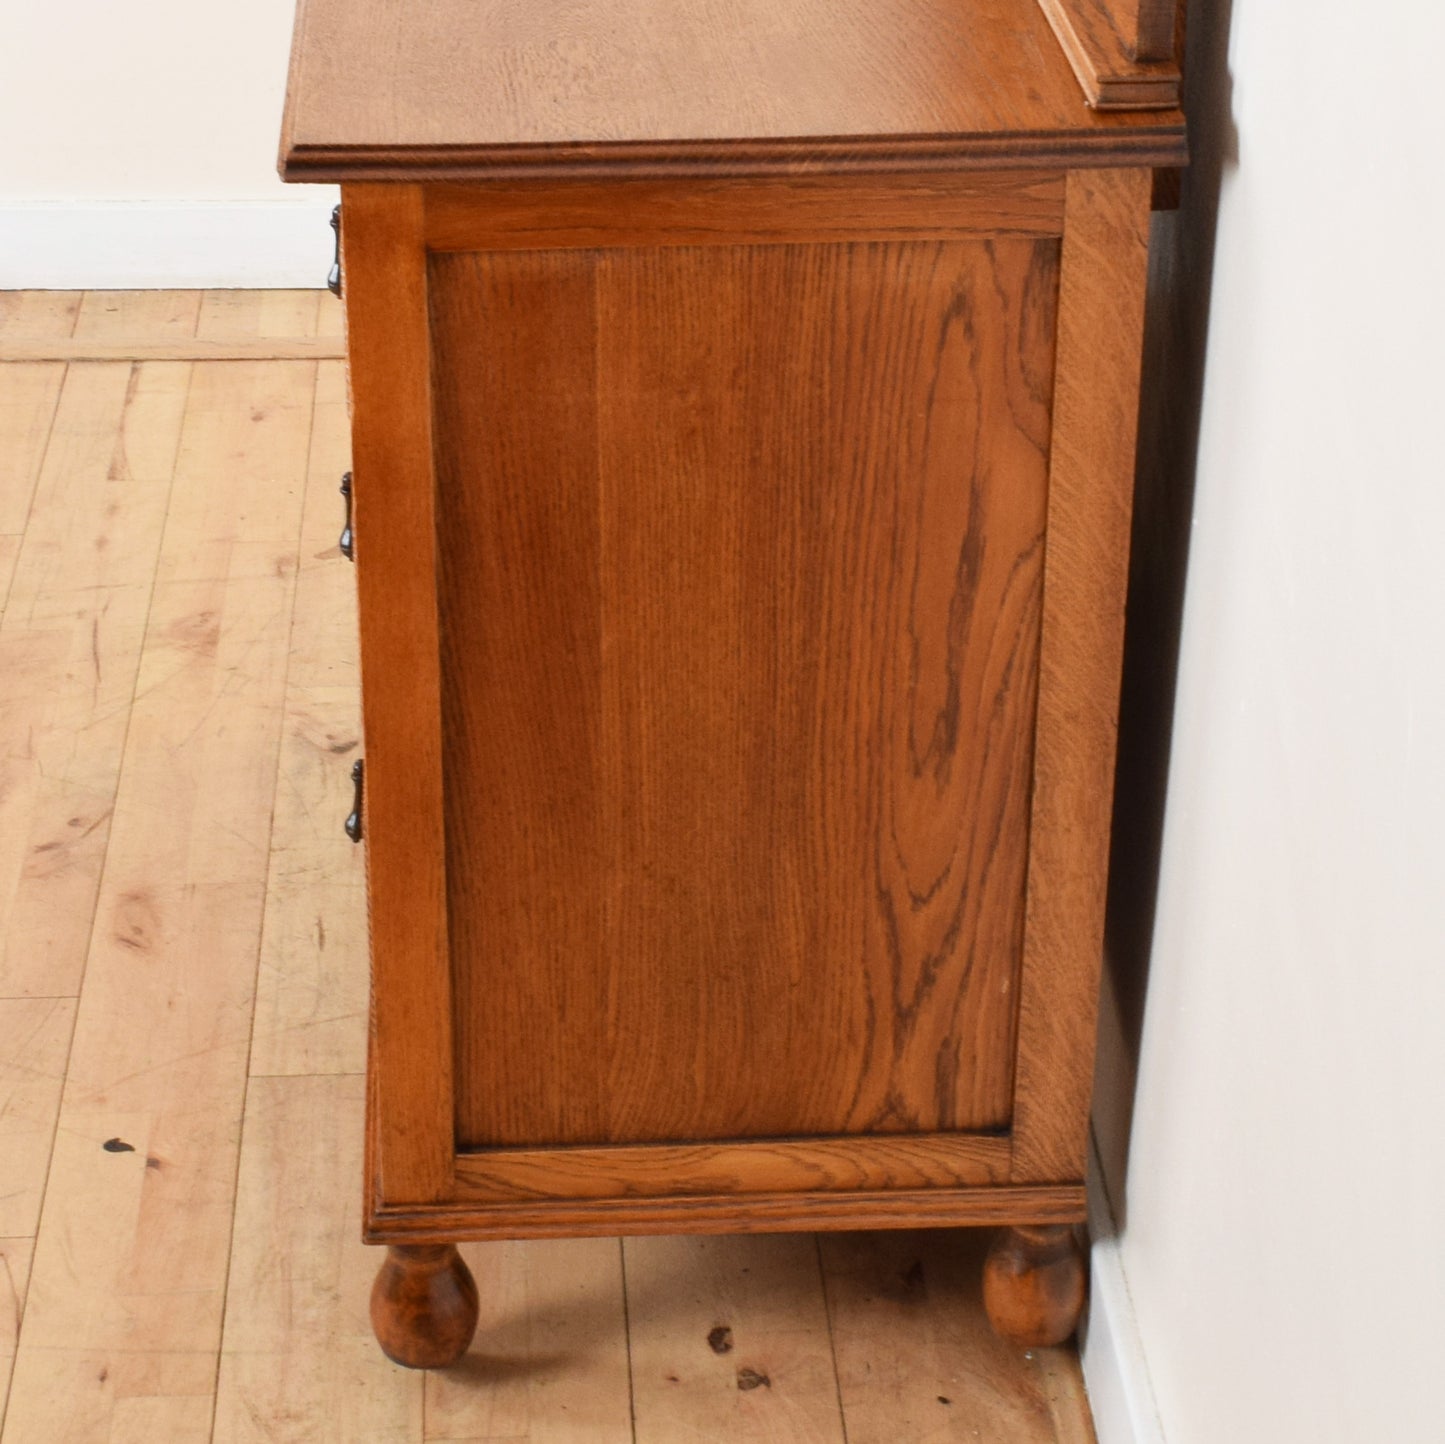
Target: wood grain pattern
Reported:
[(390, 88), (395, 544), (842, 1164), (129, 1277), (1113, 76), (299, 1363), (128, 326), (36, 1034), (25, 314), (70, 647), (311, 1005), (543, 215), (1091, 487), (519, 510), (9, 551), (749, 789), (140, 1419), (917, 1358), (28, 399), (106, 316), (258, 315), (14, 1276), (728, 1213), (729, 1341), (331, 317), (189, 348)]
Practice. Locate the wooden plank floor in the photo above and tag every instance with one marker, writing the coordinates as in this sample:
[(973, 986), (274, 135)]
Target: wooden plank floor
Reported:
[(183, 975)]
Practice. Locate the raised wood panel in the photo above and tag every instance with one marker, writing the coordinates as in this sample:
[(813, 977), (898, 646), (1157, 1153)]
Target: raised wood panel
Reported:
[(539, 215), (461, 89), (740, 556), (520, 588), (653, 1170)]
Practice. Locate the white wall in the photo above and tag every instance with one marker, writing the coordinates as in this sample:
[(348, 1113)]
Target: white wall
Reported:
[(1283, 1204), (138, 147)]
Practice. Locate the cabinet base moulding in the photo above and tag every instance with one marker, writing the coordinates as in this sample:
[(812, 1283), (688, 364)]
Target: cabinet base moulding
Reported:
[(812, 1212)]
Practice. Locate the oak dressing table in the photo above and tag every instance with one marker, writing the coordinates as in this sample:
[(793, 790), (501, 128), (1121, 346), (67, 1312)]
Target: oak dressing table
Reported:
[(743, 407)]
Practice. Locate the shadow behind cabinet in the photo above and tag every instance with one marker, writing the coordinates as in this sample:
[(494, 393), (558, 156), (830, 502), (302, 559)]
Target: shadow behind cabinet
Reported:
[(742, 486)]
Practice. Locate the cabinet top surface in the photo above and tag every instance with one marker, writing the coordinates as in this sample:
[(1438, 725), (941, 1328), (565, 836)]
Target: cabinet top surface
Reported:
[(450, 88)]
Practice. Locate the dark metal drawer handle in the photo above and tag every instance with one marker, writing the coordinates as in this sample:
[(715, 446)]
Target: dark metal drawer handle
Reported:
[(345, 540), (353, 823), (333, 279)]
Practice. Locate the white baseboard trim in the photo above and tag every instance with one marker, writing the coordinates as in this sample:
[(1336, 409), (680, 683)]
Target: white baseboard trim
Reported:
[(1116, 1371), (141, 245)]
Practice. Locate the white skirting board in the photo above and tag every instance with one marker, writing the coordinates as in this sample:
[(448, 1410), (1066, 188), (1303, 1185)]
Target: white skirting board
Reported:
[(141, 245), (1116, 1370)]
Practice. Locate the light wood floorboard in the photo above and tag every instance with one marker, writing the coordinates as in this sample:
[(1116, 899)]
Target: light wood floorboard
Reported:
[(183, 985), (297, 1257), (14, 1275), (551, 1361), (70, 646), (730, 1341), (311, 994), (44, 314), (27, 411), (9, 551), (36, 1034)]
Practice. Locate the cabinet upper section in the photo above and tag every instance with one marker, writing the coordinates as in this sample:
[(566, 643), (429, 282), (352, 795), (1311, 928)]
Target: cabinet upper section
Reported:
[(406, 89)]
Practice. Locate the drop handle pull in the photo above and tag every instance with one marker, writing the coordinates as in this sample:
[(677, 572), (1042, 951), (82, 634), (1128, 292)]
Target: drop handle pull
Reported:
[(345, 539), (333, 277), (353, 822)]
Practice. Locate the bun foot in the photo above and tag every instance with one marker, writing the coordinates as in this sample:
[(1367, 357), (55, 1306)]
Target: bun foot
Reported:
[(424, 1305), (1033, 1284)]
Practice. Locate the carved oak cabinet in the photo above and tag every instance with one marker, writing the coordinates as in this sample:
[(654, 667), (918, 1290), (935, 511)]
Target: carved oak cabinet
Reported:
[(743, 408)]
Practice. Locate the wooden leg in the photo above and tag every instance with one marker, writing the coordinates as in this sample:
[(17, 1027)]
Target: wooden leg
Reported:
[(1033, 1284), (424, 1305)]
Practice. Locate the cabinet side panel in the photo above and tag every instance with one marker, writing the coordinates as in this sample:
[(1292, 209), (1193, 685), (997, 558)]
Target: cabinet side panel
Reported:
[(741, 570), (1091, 491)]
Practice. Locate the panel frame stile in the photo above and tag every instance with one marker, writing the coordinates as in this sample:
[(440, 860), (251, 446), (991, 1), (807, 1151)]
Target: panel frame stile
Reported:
[(1098, 358), (410, 1124)]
